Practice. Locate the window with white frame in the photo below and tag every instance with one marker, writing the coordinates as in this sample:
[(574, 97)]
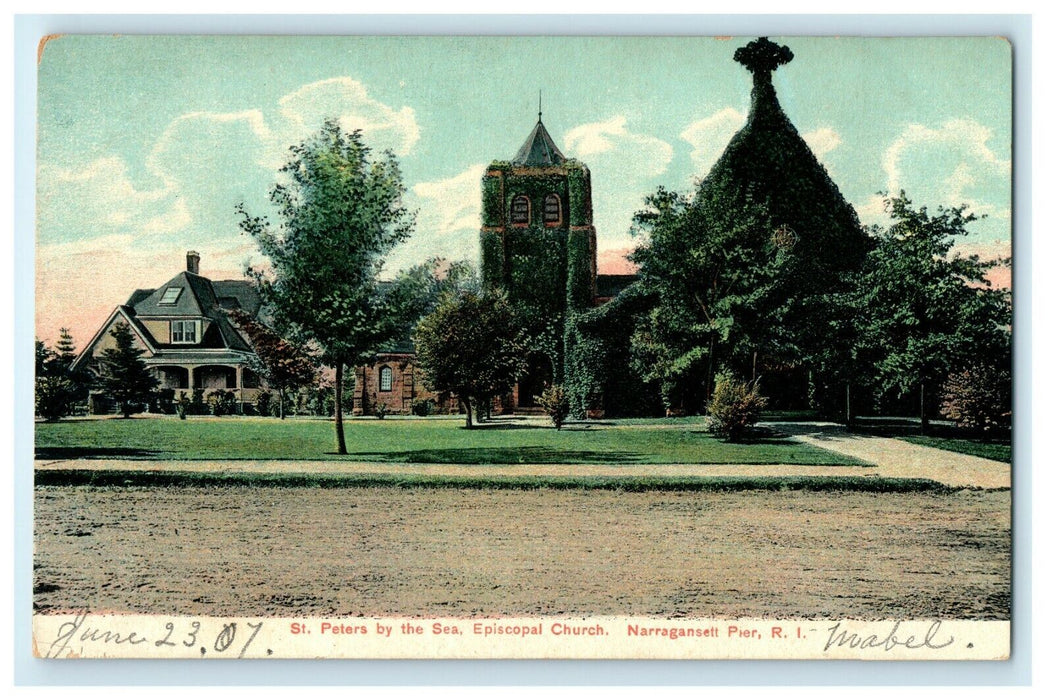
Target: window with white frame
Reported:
[(385, 379), (184, 331)]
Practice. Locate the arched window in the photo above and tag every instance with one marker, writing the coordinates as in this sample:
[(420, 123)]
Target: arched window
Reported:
[(385, 378), (553, 209), (520, 210)]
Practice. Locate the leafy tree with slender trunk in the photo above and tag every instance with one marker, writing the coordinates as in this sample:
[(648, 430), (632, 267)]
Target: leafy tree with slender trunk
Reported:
[(925, 311), (283, 365), (341, 213), (123, 376), (469, 346)]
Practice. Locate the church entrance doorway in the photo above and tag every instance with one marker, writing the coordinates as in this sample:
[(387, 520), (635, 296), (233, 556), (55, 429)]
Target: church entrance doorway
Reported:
[(538, 375)]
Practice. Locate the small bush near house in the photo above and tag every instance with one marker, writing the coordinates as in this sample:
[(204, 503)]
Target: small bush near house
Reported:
[(734, 408), (166, 401), (422, 407), (380, 409), (979, 398), (263, 403), (556, 403), (53, 397), (182, 405), (197, 406), (221, 403)]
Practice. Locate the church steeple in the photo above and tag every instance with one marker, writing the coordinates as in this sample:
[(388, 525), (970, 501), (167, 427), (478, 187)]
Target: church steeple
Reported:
[(539, 148)]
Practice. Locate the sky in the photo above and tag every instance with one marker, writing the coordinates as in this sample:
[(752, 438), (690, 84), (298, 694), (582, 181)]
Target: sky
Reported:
[(146, 144)]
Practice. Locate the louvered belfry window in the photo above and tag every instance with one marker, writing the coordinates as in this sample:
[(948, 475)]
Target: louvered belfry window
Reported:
[(552, 209), (521, 210)]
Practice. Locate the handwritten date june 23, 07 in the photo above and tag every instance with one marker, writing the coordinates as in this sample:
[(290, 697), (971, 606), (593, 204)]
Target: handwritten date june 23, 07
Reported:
[(76, 634)]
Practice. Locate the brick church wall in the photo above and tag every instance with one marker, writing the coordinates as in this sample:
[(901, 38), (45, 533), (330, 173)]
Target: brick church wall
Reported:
[(406, 388)]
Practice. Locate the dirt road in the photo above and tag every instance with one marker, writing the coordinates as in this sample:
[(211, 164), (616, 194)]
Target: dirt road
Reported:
[(444, 552)]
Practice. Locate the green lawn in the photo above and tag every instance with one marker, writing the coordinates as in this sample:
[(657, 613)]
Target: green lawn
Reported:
[(1000, 450), (414, 440)]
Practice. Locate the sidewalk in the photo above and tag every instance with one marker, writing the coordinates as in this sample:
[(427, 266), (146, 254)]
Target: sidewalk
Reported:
[(899, 458)]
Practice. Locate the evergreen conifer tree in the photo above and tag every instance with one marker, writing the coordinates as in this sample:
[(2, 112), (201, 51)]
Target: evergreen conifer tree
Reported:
[(124, 376)]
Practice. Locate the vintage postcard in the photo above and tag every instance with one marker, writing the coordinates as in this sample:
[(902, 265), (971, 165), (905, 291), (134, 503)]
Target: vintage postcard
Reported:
[(523, 347)]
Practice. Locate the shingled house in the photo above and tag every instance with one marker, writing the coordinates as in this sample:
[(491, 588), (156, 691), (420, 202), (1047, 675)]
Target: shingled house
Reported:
[(188, 339)]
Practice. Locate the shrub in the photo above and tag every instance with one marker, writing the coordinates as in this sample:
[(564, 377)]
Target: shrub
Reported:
[(166, 401), (182, 405), (556, 403), (422, 407), (263, 403), (734, 407), (197, 406), (221, 403), (380, 409), (54, 397), (979, 398)]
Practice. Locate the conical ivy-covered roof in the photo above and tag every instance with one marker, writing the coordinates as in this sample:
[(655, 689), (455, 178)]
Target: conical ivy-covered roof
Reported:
[(539, 149), (768, 168)]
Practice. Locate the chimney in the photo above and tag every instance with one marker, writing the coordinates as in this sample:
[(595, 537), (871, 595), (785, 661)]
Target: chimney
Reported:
[(193, 261)]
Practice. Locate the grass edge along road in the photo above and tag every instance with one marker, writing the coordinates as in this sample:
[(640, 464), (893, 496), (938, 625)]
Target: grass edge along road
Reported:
[(176, 479), (427, 441)]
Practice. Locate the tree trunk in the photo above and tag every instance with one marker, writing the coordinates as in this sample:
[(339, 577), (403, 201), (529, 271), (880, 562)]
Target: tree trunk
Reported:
[(924, 417), (338, 390), (281, 404), (467, 413), (848, 405), (709, 373)]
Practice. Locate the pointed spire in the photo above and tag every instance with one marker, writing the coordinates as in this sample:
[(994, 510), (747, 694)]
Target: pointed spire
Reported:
[(539, 148)]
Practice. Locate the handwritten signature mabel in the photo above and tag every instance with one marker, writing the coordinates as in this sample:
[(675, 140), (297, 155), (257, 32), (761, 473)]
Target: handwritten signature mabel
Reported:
[(74, 634), (888, 641)]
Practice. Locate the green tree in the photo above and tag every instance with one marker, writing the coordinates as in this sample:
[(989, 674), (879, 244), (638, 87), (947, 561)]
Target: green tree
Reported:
[(123, 376), (468, 346), (341, 213), (58, 385), (924, 310), (283, 365)]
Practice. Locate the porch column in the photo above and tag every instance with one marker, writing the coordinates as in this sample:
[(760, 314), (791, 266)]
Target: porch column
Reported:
[(238, 382)]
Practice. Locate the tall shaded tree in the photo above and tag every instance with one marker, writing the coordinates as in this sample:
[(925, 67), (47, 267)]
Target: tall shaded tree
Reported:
[(123, 376), (283, 365), (925, 310), (341, 213), (469, 347), (749, 268)]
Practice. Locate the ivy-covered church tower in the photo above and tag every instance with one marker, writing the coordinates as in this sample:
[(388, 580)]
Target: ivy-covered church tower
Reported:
[(539, 246)]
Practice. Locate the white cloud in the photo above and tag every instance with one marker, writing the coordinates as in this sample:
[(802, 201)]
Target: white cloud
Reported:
[(822, 141), (347, 99), (624, 166), (952, 164), (448, 220), (100, 199), (612, 140), (709, 136)]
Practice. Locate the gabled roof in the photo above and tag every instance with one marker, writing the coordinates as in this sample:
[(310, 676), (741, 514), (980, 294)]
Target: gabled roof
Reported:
[(539, 149), (195, 296), (200, 297)]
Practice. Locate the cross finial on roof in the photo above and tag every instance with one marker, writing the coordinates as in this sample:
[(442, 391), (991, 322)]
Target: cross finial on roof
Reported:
[(762, 56), (539, 106)]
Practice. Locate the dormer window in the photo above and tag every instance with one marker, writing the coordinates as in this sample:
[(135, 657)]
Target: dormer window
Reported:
[(170, 296), (553, 209), (521, 210), (184, 331)]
